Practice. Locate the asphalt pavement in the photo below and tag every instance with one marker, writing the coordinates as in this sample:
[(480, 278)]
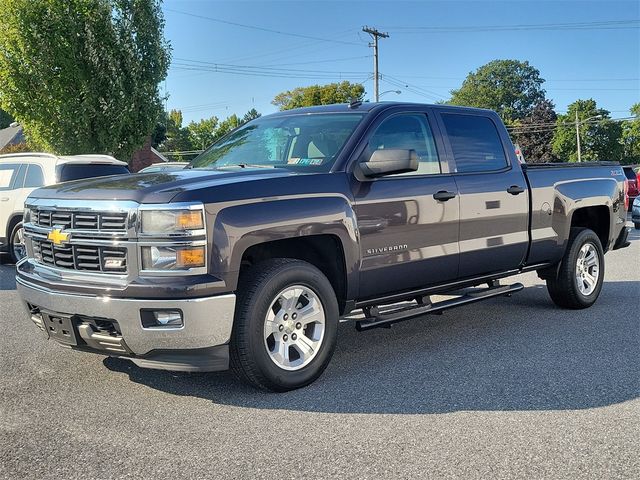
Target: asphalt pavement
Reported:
[(507, 388)]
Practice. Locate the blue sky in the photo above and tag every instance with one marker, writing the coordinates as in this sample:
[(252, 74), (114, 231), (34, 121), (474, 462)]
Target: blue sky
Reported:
[(585, 62)]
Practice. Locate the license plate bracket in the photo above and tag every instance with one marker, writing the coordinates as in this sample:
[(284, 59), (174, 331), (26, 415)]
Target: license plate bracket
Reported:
[(60, 328)]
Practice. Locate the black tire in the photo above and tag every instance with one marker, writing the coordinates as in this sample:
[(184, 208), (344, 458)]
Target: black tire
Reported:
[(563, 289), (12, 250), (636, 226), (259, 286)]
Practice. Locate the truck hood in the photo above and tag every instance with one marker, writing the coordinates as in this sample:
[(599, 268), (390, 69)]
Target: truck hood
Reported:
[(158, 187)]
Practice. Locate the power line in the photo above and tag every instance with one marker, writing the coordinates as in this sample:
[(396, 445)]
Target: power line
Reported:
[(286, 52), (262, 29), (260, 71), (397, 82), (344, 59), (204, 64), (598, 25), (546, 80), (550, 127)]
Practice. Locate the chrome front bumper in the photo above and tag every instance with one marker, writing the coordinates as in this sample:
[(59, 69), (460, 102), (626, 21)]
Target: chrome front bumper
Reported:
[(207, 323)]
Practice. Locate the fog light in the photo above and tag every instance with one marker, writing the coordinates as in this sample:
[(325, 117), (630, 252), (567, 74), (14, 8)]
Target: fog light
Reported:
[(162, 319)]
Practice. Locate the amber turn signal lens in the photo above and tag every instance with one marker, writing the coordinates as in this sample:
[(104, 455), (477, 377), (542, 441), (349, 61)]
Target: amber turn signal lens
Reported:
[(189, 220), (190, 257)]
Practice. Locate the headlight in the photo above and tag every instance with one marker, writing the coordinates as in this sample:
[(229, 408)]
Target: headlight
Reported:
[(162, 222), (172, 258)]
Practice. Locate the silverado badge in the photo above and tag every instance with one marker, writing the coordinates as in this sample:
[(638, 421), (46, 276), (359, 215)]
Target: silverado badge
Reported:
[(57, 236)]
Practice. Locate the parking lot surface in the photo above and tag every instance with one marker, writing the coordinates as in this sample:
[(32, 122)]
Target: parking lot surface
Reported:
[(507, 388)]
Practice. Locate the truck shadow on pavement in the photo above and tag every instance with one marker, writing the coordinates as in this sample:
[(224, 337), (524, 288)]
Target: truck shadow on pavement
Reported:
[(518, 353)]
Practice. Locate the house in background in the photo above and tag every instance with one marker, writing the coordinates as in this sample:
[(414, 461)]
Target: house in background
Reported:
[(12, 135), (146, 156)]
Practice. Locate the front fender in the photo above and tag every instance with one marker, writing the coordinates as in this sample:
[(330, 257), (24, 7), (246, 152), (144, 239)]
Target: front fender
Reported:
[(239, 227)]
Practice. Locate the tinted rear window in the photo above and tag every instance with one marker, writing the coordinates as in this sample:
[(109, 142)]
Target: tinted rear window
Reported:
[(475, 143), (631, 175), (74, 171)]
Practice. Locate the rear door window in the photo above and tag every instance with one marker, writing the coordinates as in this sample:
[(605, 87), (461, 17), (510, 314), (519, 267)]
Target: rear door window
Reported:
[(475, 143)]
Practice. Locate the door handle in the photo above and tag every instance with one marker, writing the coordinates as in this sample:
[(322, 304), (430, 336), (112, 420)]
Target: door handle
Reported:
[(515, 189), (443, 195), (4, 199)]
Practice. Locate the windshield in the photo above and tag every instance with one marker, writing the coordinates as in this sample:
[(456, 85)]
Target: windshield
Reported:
[(305, 142)]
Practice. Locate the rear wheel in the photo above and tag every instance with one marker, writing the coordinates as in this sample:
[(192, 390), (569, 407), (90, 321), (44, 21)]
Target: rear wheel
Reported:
[(581, 273), (637, 226), (285, 325), (17, 250)]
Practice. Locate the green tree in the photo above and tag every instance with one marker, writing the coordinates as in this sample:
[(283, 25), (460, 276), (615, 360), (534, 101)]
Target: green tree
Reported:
[(342, 92), (203, 133), (510, 87), (228, 124), (82, 75), (5, 119), (599, 138), (534, 133), (177, 138), (251, 115), (631, 137)]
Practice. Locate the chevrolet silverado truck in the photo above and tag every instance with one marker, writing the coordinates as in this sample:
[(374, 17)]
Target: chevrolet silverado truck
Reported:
[(249, 258)]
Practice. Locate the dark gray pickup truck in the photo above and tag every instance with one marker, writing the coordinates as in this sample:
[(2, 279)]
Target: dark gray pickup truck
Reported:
[(250, 257)]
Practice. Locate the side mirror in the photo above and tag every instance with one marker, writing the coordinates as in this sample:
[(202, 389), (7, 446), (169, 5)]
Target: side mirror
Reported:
[(387, 162)]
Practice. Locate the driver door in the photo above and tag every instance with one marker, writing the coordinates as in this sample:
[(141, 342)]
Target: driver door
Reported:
[(408, 228)]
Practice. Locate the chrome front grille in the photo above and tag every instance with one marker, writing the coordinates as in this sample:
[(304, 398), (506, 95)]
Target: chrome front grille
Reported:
[(102, 258), (91, 221)]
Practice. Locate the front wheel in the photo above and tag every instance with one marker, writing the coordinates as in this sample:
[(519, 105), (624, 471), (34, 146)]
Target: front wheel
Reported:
[(581, 273), (285, 325), (17, 250)]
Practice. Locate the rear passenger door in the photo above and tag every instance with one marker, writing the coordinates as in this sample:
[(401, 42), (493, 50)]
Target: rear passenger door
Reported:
[(494, 203), (408, 238)]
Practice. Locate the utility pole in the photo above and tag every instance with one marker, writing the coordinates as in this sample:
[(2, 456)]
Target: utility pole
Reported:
[(595, 117), (578, 136), (375, 34)]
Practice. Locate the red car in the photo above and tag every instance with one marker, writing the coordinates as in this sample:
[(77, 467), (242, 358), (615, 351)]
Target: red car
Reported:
[(633, 183)]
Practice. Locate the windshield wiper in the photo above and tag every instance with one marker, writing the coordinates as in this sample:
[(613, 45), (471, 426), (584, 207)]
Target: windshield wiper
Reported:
[(247, 165)]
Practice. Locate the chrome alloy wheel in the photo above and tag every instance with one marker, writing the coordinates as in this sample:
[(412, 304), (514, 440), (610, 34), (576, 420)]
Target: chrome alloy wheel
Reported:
[(294, 327), (587, 269), (19, 249)]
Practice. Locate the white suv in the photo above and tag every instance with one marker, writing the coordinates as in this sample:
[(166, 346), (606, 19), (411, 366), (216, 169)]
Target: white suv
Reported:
[(22, 173)]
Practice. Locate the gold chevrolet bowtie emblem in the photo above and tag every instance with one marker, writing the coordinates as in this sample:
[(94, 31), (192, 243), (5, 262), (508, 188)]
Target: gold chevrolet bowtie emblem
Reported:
[(57, 236)]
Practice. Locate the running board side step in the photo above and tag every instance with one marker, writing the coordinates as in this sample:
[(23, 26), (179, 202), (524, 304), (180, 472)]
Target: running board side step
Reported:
[(375, 319)]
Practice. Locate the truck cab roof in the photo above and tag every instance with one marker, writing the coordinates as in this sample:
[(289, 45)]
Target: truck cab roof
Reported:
[(365, 107)]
